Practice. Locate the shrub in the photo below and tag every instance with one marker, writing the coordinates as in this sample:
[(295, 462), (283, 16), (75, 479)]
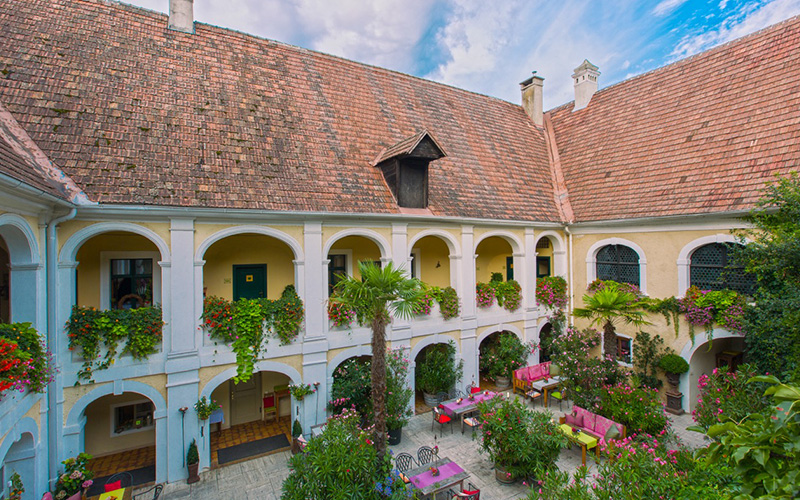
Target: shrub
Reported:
[(448, 301), (192, 457), (25, 363), (672, 363), (638, 409), (727, 396), (398, 393), (501, 357), (439, 371), (352, 386), (297, 429), (484, 294)]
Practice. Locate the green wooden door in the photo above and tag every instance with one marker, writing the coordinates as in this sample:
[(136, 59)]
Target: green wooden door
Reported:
[(509, 268), (249, 281)]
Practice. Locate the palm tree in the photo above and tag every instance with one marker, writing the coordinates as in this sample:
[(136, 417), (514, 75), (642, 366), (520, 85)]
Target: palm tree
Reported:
[(607, 307), (379, 294)]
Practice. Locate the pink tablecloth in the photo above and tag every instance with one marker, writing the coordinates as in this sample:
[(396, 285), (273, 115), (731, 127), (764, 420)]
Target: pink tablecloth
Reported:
[(426, 478), (452, 407)]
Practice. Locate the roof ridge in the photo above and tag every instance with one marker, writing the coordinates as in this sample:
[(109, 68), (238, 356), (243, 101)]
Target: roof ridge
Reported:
[(560, 191)]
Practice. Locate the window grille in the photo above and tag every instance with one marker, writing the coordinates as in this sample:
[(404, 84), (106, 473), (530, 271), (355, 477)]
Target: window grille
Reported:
[(711, 267), (619, 263)]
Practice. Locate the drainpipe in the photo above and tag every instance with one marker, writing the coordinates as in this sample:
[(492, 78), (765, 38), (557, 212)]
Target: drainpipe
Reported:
[(569, 282), (52, 339)]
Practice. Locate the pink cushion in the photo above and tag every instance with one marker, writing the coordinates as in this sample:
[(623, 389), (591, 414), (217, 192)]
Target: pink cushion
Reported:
[(546, 369), (602, 425), (535, 372), (574, 421), (47, 496), (588, 417), (521, 374), (113, 486), (76, 496)]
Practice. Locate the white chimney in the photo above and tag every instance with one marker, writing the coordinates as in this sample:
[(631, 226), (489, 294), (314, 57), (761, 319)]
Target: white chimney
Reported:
[(532, 90), (585, 77), (181, 15)]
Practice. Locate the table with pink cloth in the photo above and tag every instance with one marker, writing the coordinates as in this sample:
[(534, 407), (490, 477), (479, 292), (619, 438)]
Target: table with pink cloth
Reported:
[(465, 407), (450, 473)]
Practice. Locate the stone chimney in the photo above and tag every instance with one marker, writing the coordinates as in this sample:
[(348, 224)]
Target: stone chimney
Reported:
[(181, 15), (585, 77), (532, 90)]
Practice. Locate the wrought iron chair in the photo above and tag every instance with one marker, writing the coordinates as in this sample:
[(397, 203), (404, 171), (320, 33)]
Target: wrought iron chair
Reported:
[(404, 462), (440, 418), (155, 491), (425, 455), (125, 479), (470, 493)]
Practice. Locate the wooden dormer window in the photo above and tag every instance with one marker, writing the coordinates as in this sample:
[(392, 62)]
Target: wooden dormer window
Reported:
[(405, 168)]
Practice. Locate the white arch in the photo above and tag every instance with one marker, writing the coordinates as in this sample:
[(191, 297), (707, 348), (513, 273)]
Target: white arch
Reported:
[(25, 425), (499, 328), (148, 391), (70, 250), (591, 260), (511, 238), (688, 352), (685, 257), (297, 249), (261, 366), (437, 338), (451, 242), (383, 245), (555, 237), (353, 352), (23, 250)]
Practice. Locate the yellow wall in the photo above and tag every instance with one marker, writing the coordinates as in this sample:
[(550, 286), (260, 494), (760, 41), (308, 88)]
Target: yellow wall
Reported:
[(89, 262), (433, 250), (99, 438), (247, 249), (68, 228), (203, 231), (492, 253), (363, 250)]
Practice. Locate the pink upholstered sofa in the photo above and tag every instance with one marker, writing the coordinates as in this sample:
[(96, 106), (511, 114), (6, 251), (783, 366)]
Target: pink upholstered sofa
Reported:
[(524, 376), (590, 423)]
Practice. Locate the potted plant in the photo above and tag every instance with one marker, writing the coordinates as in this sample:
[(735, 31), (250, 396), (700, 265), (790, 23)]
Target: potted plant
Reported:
[(205, 407), (193, 462), (673, 365), (76, 476), (501, 357), (300, 391), (521, 442), (398, 395), (297, 433), (438, 371)]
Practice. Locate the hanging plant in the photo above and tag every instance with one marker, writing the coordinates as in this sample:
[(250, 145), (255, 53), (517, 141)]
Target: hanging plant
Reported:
[(425, 304), (205, 407), (507, 293), (25, 364), (447, 298), (551, 292), (706, 307), (340, 314), (484, 294), (89, 328), (300, 391)]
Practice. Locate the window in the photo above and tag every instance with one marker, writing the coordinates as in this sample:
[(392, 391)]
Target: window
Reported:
[(711, 268), (131, 417), (542, 267), (337, 270), (414, 264), (131, 283), (624, 349), (619, 263)]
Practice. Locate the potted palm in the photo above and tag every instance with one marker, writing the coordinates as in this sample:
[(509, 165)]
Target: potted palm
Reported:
[(438, 371), (193, 462)]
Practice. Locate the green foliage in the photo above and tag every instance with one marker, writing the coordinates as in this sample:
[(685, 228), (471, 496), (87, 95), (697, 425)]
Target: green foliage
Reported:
[(706, 307), (727, 396), (342, 464), (503, 354), (297, 429), (608, 306), (192, 457), (352, 386), (648, 353), (524, 442), (669, 307), (74, 476), (447, 298), (508, 294), (300, 391), (89, 329), (672, 363), (496, 277), (16, 488), (551, 292), (639, 409), (25, 363), (762, 448), (439, 371), (241, 325), (205, 407), (398, 393), (773, 256)]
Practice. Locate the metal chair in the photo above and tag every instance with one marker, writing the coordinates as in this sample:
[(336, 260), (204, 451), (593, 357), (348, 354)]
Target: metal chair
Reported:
[(125, 479), (470, 493), (440, 418), (441, 396), (425, 455), (155, 491), (533, 395), (404, 462), (560, 394)]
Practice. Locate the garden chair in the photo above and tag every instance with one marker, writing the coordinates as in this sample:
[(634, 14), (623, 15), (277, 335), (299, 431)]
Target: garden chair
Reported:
[(559, 395), (270, 408), (424, 455), (404, 462), (119, 480), (533, 395), (440, 418), (441, 396), (151, 494), (473, 389), (470, 493)]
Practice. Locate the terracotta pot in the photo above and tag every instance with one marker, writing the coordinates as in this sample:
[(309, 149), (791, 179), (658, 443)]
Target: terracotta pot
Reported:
[(193, 477), (503, 382), (502, 475), (395, 435)]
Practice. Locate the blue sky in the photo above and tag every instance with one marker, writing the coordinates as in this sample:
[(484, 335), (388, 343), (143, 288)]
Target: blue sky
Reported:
[(490, 46)]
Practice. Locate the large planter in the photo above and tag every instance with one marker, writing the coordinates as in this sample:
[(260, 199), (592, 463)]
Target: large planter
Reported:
[(502, 475), (503, 382), (430, 399), (674, 379), (395, 435), (193, 477)]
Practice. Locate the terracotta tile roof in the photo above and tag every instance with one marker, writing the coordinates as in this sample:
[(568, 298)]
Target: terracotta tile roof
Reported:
[(22, 160), (136, 113), (700, 135)]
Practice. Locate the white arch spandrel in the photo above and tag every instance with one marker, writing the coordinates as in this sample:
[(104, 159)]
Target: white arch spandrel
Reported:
[(375, 237), (70, 249), (292, 243)]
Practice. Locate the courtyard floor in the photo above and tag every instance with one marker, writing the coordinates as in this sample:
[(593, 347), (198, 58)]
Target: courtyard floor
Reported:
[(261, 478)]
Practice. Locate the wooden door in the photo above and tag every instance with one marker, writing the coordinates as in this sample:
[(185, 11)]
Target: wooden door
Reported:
[(249, 281), (246, 400)]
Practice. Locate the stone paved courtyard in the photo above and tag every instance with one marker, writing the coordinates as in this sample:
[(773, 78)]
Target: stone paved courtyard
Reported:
[(261, 478)]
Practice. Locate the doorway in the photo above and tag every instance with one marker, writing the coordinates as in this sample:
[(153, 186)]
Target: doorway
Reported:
[(246, 401), (249, 281)]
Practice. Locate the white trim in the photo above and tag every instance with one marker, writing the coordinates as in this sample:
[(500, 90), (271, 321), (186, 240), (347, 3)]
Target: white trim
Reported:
[(620, 362), (685, 257), (449, 239), (69, 251), (517, 247), (105, 275), (499, 328), (18, 252), (113, 407), (558, 261), (353, 352), (591, 260), (383, 245), (292, 243), (687, 353)]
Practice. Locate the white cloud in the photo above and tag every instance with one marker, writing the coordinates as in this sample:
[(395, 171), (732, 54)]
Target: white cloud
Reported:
[(665, 7)]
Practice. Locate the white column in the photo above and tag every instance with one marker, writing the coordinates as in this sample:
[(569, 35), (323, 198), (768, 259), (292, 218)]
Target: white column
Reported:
[(468, 272), (315, 279), (182, 286)]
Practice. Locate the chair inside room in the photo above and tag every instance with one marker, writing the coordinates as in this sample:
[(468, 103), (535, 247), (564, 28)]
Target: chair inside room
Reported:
[(424, 455), (270, 406), (151, 494), (440, 418), (119, 480), (404, 462), (468, 493)]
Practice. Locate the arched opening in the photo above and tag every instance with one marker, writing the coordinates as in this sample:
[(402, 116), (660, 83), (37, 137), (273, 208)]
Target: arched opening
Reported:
[(545, 343), (248, 266), (712, 267), (5, 283), (437, 370), (346, 253), (20, 459), (254, 419), (119, 431), (118, 270), (487, 367), (430, 261), (545, 258), (352, 386), (494, 259), (19, 270), (704, 360)]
